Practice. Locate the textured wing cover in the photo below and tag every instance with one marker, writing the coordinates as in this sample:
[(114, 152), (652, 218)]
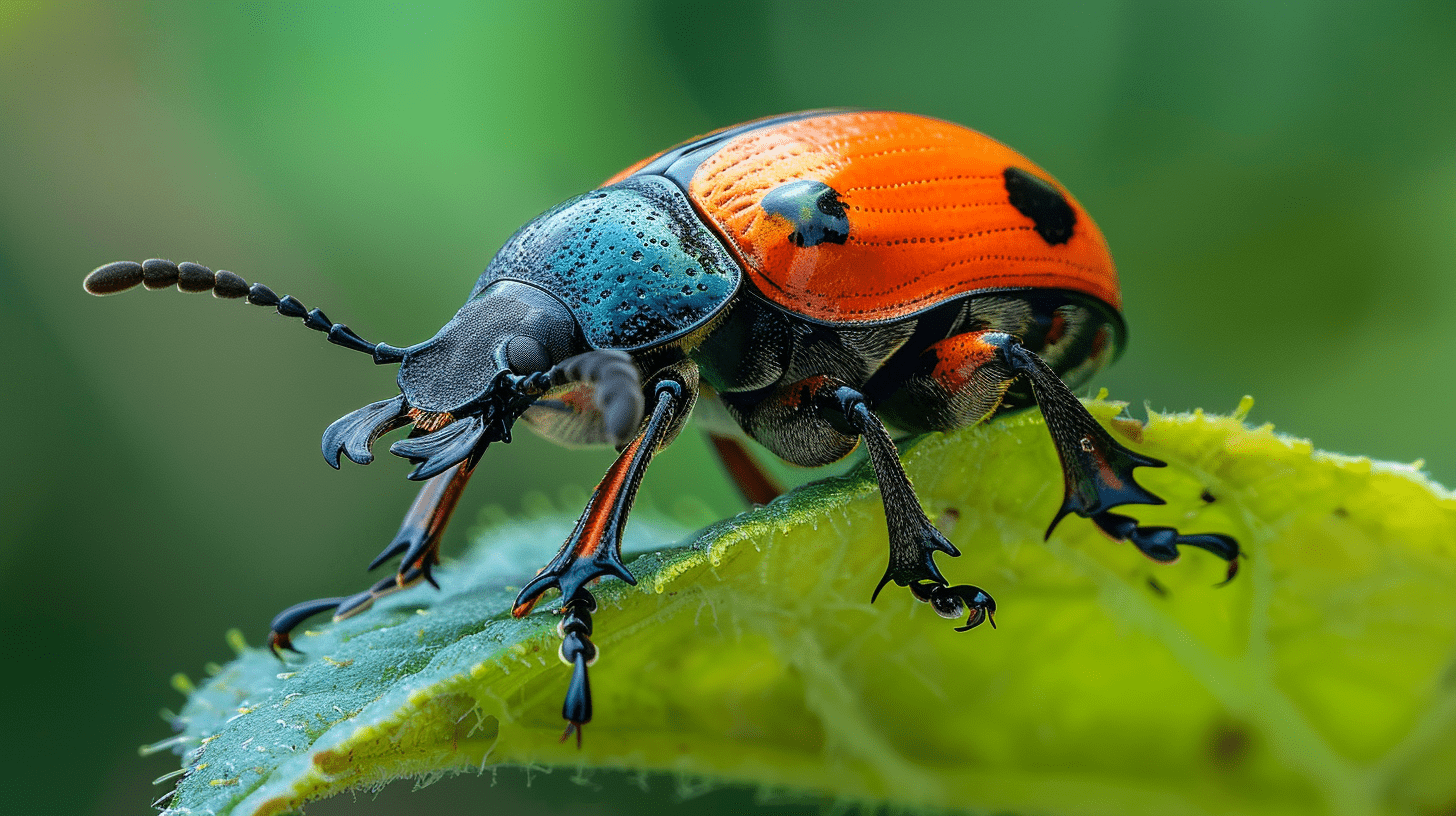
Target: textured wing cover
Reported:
[(930, 217)]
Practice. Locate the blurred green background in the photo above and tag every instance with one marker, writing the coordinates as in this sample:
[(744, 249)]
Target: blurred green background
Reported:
[(1277, 181)]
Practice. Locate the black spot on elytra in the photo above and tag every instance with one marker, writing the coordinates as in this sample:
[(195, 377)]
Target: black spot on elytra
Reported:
[(1157, 588), (814, 209), (1207, 496), (1040, 201)]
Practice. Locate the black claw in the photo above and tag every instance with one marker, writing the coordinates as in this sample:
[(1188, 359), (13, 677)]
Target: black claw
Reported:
[(577, 650), (914, 540), (1161, 543), (353, 434), (954, 601), (576, 709), (411, 542), (413, 573), (278, 642), (914, 562), (571, 575), (398, 545), (286, 621), (1233, 570)]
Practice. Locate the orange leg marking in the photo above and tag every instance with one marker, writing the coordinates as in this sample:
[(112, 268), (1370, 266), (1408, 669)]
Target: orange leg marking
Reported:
[(594, 548), (756, 485)]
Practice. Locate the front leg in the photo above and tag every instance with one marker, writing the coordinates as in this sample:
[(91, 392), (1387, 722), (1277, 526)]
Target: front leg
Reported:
[(418, 540), (594, 548)]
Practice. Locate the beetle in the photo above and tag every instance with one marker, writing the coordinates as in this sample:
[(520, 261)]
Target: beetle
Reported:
[(822, 277)]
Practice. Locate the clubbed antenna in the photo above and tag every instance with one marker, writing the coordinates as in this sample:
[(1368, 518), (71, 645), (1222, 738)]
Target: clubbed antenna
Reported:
[(157, 273)]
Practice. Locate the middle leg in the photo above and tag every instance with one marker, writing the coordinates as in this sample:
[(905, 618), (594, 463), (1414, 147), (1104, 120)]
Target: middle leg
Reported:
[(819, 420)]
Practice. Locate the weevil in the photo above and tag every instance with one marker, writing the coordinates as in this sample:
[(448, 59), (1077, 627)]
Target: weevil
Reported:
[(823, 277)]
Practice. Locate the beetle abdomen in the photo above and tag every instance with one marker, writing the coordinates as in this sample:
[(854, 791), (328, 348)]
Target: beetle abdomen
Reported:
[(633, 262), (873, 216)]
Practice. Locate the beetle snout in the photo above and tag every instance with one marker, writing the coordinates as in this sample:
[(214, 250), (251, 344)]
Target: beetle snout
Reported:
[(463, 388), (509, 327)]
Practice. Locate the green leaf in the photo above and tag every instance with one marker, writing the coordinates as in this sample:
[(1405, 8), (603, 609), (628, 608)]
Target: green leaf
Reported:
[(1320, 681)]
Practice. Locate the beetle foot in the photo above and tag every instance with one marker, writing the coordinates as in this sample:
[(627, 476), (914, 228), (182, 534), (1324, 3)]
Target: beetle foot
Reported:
[(1096, 469), (1161, 543), (283, 624), (579, 652), (418, 540), (570, 572), (953, 601), (420, 551), (914, 541)]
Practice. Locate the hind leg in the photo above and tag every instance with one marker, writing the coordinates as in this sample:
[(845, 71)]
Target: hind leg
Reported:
[(757, 485), (962, 380)]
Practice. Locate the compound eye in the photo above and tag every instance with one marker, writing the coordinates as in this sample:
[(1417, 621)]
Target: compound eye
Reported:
[(526, 355), (813, 209)]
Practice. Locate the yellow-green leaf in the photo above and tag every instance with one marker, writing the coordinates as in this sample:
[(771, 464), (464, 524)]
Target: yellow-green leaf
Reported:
[(1320, 681)]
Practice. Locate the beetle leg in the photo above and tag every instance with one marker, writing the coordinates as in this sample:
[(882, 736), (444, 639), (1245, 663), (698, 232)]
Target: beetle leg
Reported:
[(756, 484), (1098, 471), (577, 651), (418, 540), (954, 601), (913, 539), (281, 629), (594, 548), (1161, 543)]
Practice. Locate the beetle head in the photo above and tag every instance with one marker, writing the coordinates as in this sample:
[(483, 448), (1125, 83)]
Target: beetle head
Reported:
[(463, 388)]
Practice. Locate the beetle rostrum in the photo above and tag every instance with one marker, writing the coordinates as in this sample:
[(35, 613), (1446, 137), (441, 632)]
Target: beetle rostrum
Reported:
[(822, 275)]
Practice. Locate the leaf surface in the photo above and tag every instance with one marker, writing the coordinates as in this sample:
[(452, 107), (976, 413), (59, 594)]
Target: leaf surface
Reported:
[(1321, 681)]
